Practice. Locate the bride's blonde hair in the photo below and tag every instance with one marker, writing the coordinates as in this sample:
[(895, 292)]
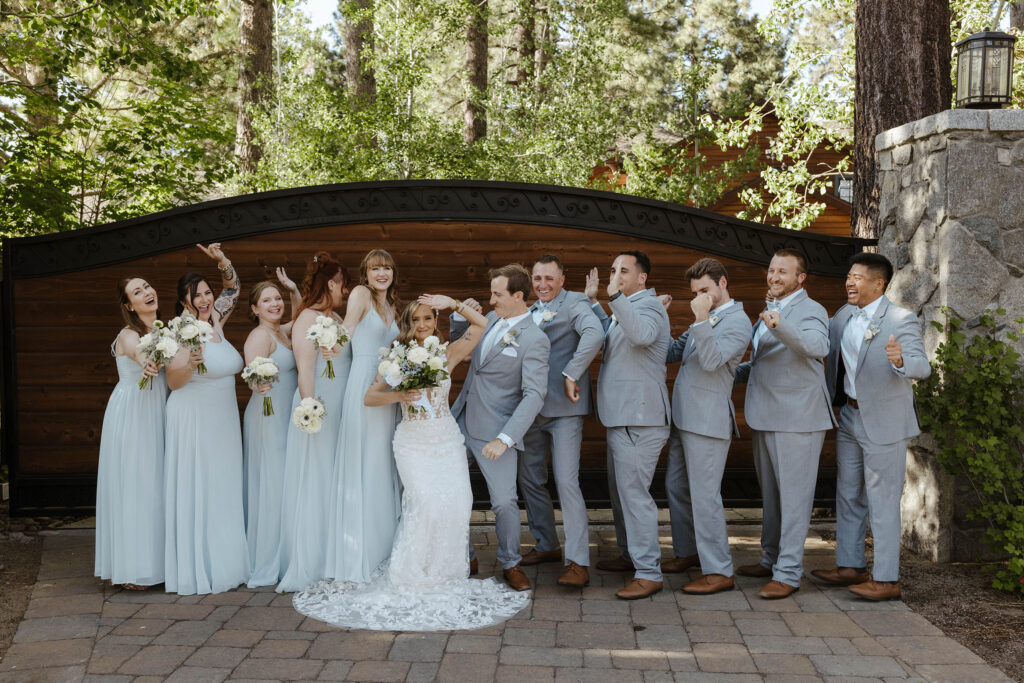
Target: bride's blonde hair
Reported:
[(406, 333)]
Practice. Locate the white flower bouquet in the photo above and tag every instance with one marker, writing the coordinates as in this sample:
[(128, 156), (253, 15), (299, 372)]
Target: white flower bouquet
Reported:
[(325, 333), (262, 371), (191, 333), (157, 347), (309, 415), (415, 367)]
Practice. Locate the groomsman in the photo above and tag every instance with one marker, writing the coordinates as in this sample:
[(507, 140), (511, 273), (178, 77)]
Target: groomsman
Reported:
[(787, 406), (876, 351), (576, 336), (704, 423), (632, 403), (501, 397)]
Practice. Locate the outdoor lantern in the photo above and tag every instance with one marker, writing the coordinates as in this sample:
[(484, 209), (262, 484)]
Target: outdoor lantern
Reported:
[(984, 71)]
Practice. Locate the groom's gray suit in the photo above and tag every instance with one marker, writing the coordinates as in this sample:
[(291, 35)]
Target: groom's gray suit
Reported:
[(576, 336), (871, 446), (787, 406), (705, 422), (632, 403), (503, 392)]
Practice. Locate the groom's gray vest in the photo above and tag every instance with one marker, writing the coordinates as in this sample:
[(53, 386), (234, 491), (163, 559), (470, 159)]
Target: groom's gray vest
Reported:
[(504, 392)]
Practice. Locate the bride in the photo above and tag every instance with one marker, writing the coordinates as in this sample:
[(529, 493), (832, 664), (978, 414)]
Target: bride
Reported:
[(425, 585)]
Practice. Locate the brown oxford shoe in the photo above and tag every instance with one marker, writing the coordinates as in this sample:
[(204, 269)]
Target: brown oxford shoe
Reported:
[(618, 564), (639, 588), (841, 576), (575, 576), (516, 579), (710, 584), (776, 590), (758, 570), (878, 590), (537, 557), (474, 567), (678, 565)]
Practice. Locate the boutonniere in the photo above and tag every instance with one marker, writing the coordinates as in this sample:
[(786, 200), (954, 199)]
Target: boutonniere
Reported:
[(548, 316), (713, 320), (870, 333), (509, 339)]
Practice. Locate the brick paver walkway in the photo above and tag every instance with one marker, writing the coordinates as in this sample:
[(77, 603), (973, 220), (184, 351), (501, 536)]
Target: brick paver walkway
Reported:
[(76, 629)]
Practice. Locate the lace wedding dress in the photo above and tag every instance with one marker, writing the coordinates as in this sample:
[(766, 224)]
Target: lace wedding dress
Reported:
[(425, 585)]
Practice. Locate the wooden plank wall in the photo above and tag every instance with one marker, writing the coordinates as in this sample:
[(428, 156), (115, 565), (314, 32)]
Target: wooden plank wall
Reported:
[(66, 323)]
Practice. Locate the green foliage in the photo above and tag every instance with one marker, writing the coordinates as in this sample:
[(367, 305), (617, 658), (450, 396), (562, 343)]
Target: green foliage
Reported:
[(972, 405)]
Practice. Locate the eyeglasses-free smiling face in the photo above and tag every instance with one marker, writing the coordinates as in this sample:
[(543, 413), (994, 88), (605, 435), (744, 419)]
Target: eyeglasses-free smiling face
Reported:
[(630, 277), (424, 322), (141, 296), (863, 286), (201, 304), (784, 276), (548, 280), (270, 306)]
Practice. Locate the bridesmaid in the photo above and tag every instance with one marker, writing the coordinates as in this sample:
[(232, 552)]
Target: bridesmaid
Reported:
[(365, 498), (309, 458), (205, 547), (264, 436), (130, 481)]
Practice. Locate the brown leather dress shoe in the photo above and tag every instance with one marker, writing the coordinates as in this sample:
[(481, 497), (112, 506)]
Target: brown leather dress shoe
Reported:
[(536, 557), (758, 570), (516, 579), (474, 567), (678, 565), (878, 590), (709, 584), (776, 590), (618, 564), (575, 576), (841, 576), (639, 588)]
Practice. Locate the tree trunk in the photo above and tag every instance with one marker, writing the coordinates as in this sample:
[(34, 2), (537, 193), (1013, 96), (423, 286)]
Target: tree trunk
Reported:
[(1017, 18), (526, 42), (256, 45), (903, 74), (362, 81), (542, 52), (474, 116)]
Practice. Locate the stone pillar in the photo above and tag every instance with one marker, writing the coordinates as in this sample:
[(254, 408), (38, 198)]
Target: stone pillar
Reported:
[(951, 209)]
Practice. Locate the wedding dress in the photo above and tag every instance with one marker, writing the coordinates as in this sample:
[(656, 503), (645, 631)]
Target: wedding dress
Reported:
[(425, 585)]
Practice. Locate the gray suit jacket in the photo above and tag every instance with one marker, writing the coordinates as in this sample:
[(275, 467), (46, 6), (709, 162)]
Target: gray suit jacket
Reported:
[(885, 398), (576, 336), (702, 396), (504, 391), (631, 389), (785, 376)]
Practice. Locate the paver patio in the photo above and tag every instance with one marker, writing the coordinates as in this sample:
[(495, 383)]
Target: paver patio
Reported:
[(78, 629)]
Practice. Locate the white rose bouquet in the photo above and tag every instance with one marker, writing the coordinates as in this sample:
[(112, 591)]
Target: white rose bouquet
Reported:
[(191, 333), (309, 415), (157, 347), (414, 366), (325, 333), (262, 371)]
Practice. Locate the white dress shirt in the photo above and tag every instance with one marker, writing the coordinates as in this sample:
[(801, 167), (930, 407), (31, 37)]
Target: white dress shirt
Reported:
[(853, 338), (762, 328)]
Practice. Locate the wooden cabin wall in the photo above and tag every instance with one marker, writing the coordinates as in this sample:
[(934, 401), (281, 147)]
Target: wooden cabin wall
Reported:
[(66, 323)]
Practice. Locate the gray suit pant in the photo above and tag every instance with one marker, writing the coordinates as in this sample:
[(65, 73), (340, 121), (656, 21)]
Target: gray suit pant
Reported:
[(500, 475), (561, 436), (787, 468), (693, 483), (870, 484), (632, 456)]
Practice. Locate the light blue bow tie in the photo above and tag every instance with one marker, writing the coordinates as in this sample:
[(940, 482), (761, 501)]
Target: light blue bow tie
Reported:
[(862, 314), (542, 306)]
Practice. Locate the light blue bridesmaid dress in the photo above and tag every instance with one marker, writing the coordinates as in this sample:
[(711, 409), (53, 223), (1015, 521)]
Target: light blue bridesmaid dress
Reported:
[(309, 462), (263, 440), (205, 549), (130, 480), (365, 497)]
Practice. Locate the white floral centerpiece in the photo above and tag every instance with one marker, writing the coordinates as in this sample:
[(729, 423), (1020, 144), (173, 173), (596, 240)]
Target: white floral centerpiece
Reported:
[(191, 333), (326, 333), (157, 347), (309, 415), (415, 366), (262, 371)]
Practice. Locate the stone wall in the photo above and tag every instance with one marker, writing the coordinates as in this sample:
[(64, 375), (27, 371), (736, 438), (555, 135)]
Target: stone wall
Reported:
[(951, 200)]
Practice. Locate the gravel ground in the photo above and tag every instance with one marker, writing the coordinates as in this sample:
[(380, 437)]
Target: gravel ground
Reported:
[(19, 564)]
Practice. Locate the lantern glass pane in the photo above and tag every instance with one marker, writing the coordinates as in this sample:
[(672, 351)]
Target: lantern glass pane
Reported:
[(977, 61), (963, 77)]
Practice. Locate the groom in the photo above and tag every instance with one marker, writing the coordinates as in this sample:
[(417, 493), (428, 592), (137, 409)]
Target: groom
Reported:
[(503, 393)]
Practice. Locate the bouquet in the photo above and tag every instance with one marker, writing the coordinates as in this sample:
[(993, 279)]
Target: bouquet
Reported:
[(415, 367), (191, 333), (157, 347), (325, 333), (261, 371), (309, 415)]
